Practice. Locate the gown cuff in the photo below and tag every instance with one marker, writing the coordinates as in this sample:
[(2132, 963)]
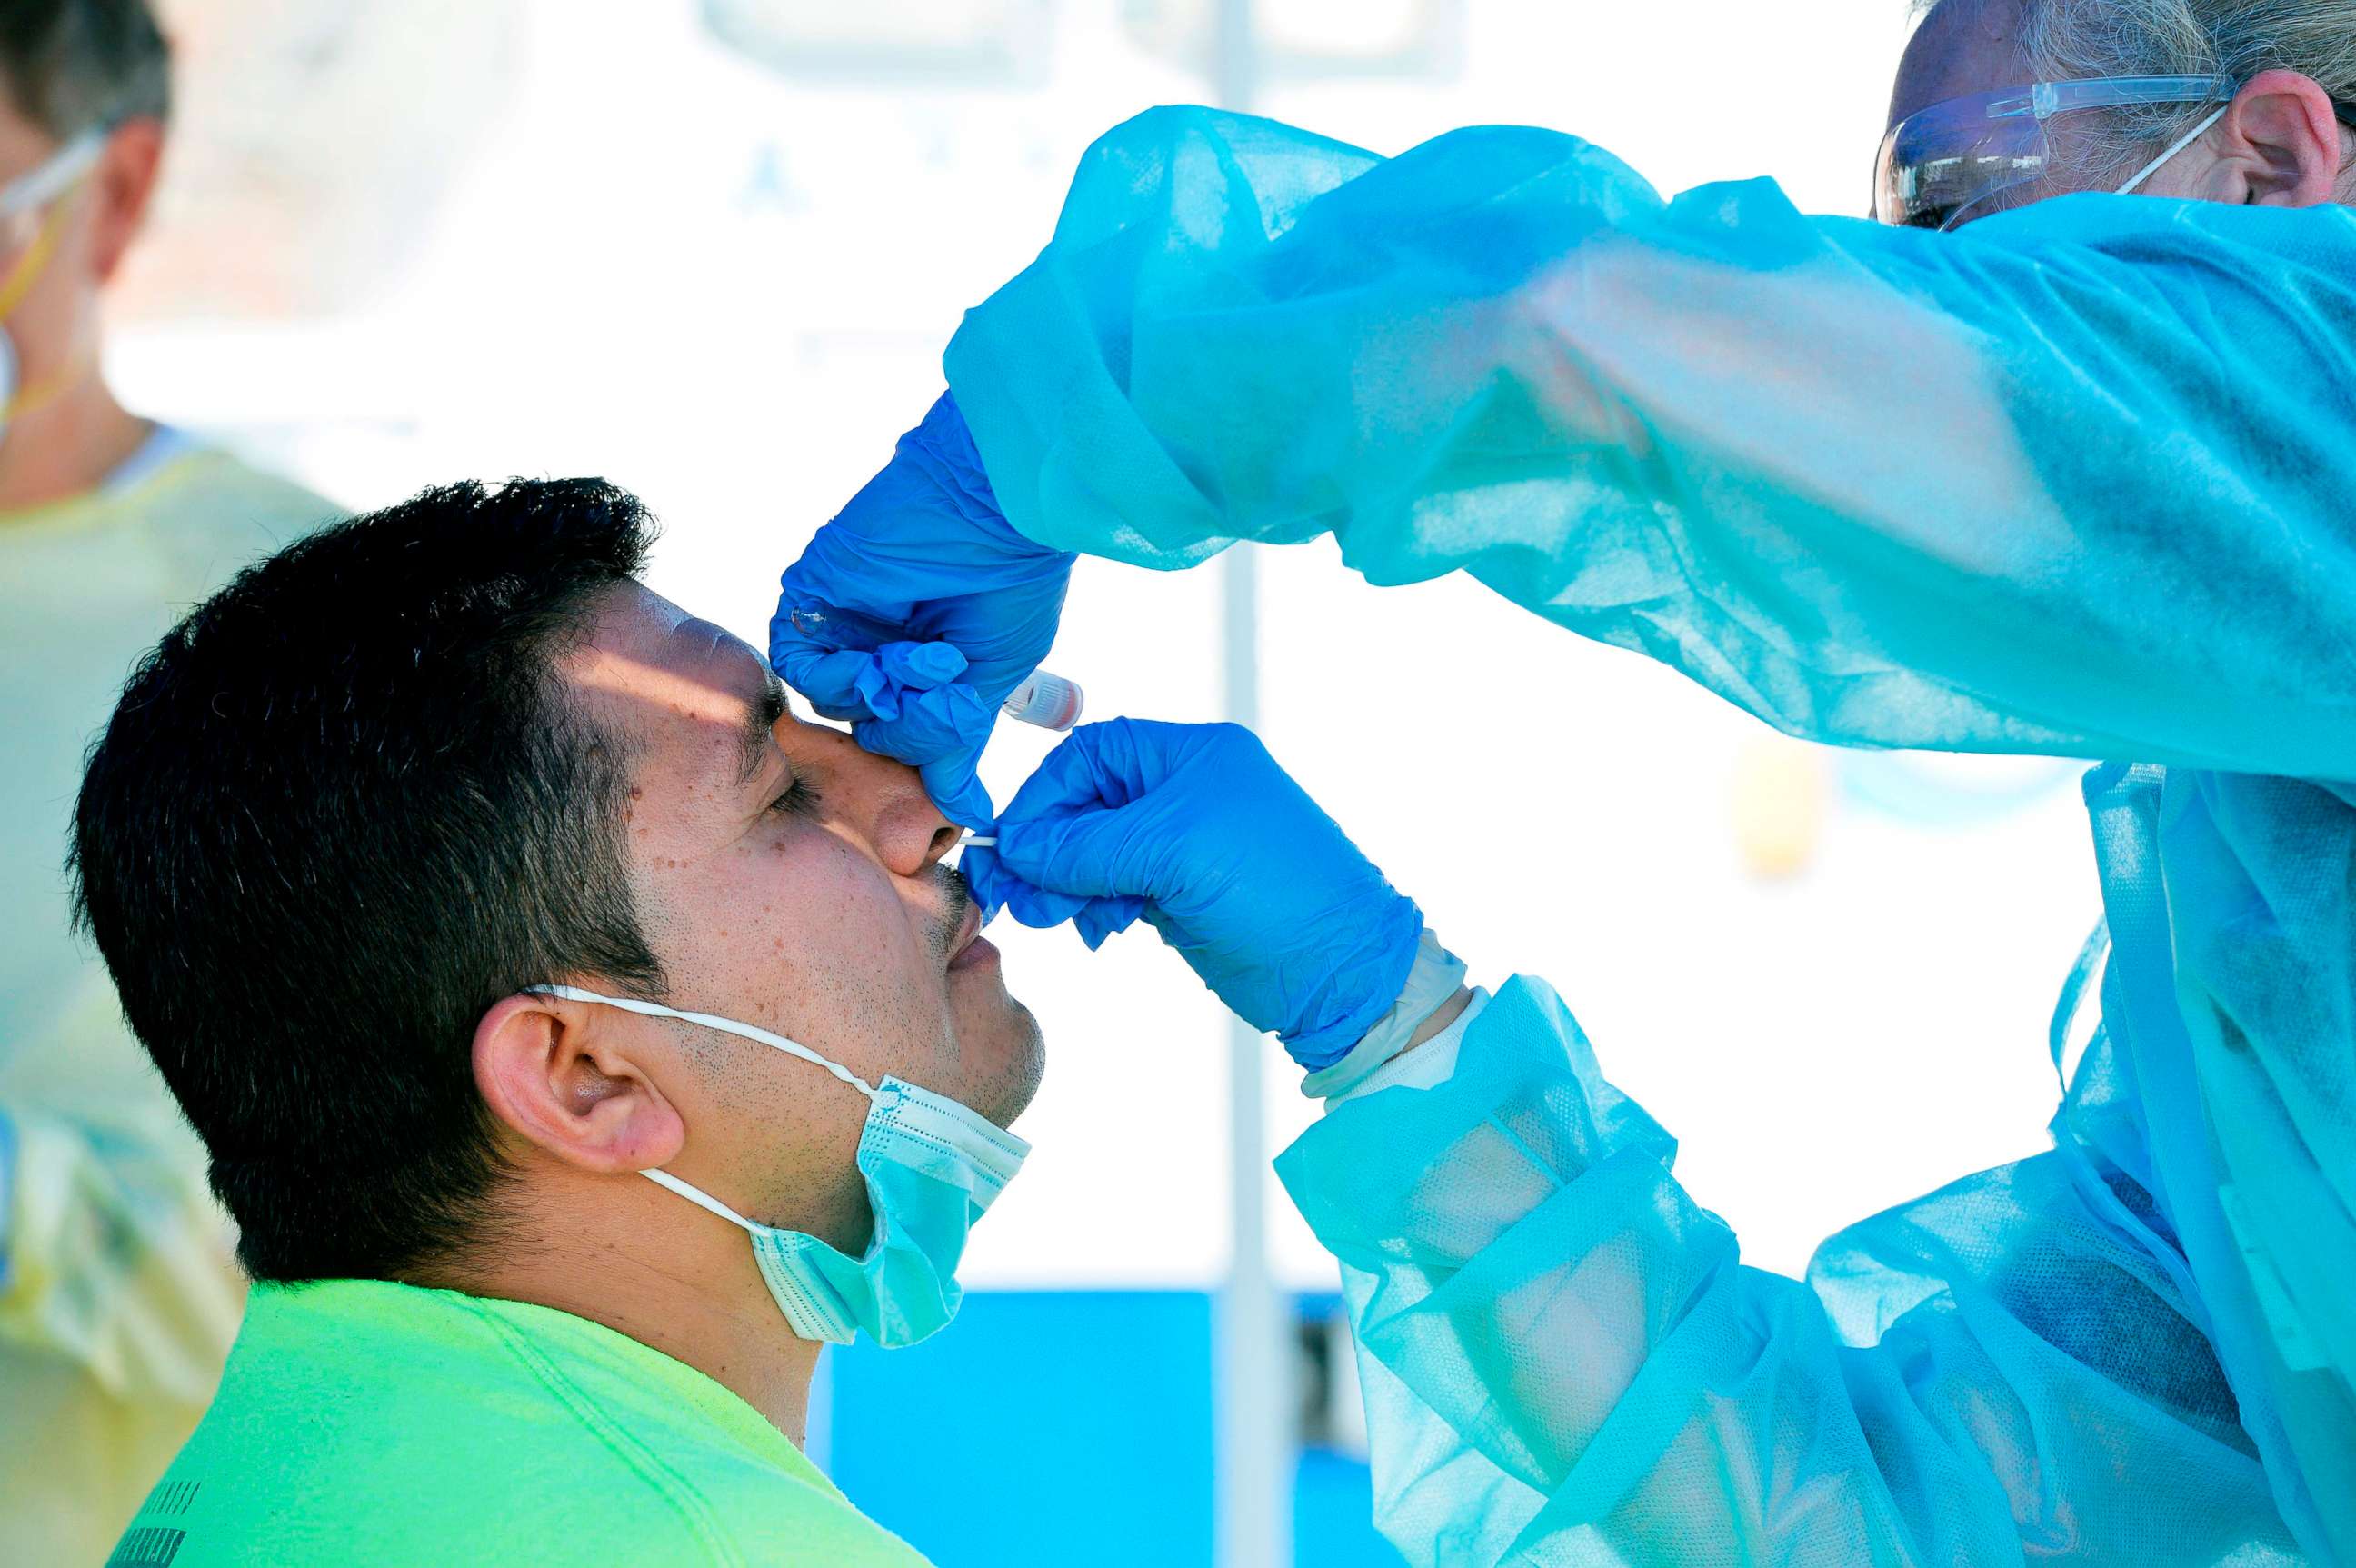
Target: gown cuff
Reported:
[(1435, 977)]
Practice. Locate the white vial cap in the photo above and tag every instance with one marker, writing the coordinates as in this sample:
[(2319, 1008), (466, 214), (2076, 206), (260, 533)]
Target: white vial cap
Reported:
[(1048, 701)]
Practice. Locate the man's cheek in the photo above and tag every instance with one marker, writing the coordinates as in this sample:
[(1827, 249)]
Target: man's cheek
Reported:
[(849, 919)]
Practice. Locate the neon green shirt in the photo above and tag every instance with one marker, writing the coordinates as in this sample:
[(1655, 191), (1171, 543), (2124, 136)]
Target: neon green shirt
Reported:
[(362, 1423)]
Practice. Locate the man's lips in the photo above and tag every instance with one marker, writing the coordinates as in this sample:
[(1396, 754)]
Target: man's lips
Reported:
[(968, 930)]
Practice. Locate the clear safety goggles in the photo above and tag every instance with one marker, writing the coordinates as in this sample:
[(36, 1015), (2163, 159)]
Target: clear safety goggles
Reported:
[(1964, 156), (24, 200)]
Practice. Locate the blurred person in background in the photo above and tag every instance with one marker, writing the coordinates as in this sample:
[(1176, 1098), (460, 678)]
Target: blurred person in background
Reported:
[(117, 1292), (2057, 457)]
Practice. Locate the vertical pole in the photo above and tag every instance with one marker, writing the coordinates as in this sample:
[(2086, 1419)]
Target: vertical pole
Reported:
[(1252, 1326), (1252, 1357), (1235, 67)]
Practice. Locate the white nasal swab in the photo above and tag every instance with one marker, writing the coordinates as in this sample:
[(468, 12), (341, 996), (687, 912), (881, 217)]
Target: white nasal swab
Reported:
[(985, 840)]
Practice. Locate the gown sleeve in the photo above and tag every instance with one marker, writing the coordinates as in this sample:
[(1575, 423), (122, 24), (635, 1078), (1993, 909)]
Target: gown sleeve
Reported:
[(2072, 479), (1565, 1361)]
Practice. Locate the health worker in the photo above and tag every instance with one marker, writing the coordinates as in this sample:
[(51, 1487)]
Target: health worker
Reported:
[(2027, 465), (117, 1293)]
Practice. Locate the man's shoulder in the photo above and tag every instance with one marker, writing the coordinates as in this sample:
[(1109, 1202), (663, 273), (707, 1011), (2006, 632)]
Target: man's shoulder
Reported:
[(361, 1422)]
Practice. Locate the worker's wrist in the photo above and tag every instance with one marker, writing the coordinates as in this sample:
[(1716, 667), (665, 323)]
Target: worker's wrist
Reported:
[(977, 499), (1441, 1016), (1435, 986)]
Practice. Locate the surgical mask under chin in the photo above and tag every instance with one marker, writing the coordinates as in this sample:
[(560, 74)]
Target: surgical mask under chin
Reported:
[(931, 1167)]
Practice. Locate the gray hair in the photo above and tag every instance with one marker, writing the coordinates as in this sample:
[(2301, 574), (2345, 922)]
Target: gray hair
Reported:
[(2071, 40), (72, 65)]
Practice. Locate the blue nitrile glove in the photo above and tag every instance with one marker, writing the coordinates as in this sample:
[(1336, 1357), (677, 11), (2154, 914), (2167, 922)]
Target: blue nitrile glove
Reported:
[(918, 609), (1196, 828)]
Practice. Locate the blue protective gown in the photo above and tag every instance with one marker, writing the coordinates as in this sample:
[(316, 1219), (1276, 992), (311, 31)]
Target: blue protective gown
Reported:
[(2079, 478)]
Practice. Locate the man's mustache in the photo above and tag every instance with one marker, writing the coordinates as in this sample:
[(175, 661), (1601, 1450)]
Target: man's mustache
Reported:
[(956, 898)]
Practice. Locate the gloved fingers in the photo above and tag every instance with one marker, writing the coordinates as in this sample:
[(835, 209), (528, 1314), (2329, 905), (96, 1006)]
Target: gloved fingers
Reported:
[(1035, 907), (797, 646), (1088, 821), (1093, 918), (940, 733), (1087, 851), (926, 727), (856, 683), (956, 789), (920, 666), (832, 681), (1100, 917), (1109, 764), (996, 888)]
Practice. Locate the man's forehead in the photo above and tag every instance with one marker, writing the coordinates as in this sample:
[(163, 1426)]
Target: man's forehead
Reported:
[(1963, 47), (671, 678)]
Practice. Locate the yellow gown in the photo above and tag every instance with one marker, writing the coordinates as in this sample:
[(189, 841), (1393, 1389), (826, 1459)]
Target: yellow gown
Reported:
[(118, 1293)]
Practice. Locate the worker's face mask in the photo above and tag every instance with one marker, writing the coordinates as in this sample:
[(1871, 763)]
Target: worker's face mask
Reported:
[(932, 1167), (31, 215)]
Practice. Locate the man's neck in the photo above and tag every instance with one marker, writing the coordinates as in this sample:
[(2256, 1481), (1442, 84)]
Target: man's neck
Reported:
[(66, 446), (662, 1272)]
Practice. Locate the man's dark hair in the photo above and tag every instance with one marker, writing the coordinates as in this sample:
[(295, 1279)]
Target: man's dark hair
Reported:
[(71, 65), (340, 810)]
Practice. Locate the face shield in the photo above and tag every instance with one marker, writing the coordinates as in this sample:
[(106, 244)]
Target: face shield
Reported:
[(1964, 157)]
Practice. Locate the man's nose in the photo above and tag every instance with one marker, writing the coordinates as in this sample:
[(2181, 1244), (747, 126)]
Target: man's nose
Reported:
[(885, 801), (911, 835)]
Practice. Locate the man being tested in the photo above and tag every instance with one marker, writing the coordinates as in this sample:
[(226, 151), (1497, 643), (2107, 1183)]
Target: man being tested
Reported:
[(2073, 476), (117, 1294), (402, 889)]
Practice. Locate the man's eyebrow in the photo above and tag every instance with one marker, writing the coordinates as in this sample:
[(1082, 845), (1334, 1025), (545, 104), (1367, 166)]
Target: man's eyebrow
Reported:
[(766, 711)]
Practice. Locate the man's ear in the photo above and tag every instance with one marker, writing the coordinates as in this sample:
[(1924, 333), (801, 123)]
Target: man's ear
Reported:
[(122, 187), (565, 1075), (2282, 142)]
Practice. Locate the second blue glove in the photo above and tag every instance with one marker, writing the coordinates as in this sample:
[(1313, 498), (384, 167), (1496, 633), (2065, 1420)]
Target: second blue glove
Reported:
[(1195, 828)]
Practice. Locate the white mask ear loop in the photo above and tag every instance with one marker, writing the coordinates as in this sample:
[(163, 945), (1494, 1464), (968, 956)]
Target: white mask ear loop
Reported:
[(700, 1198), (695, 1195), (712, 1021), (2181, 143)]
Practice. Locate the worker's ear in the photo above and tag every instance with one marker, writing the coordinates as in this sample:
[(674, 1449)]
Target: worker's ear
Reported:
[(122, 185), (569, 1078), (2279, 144)]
